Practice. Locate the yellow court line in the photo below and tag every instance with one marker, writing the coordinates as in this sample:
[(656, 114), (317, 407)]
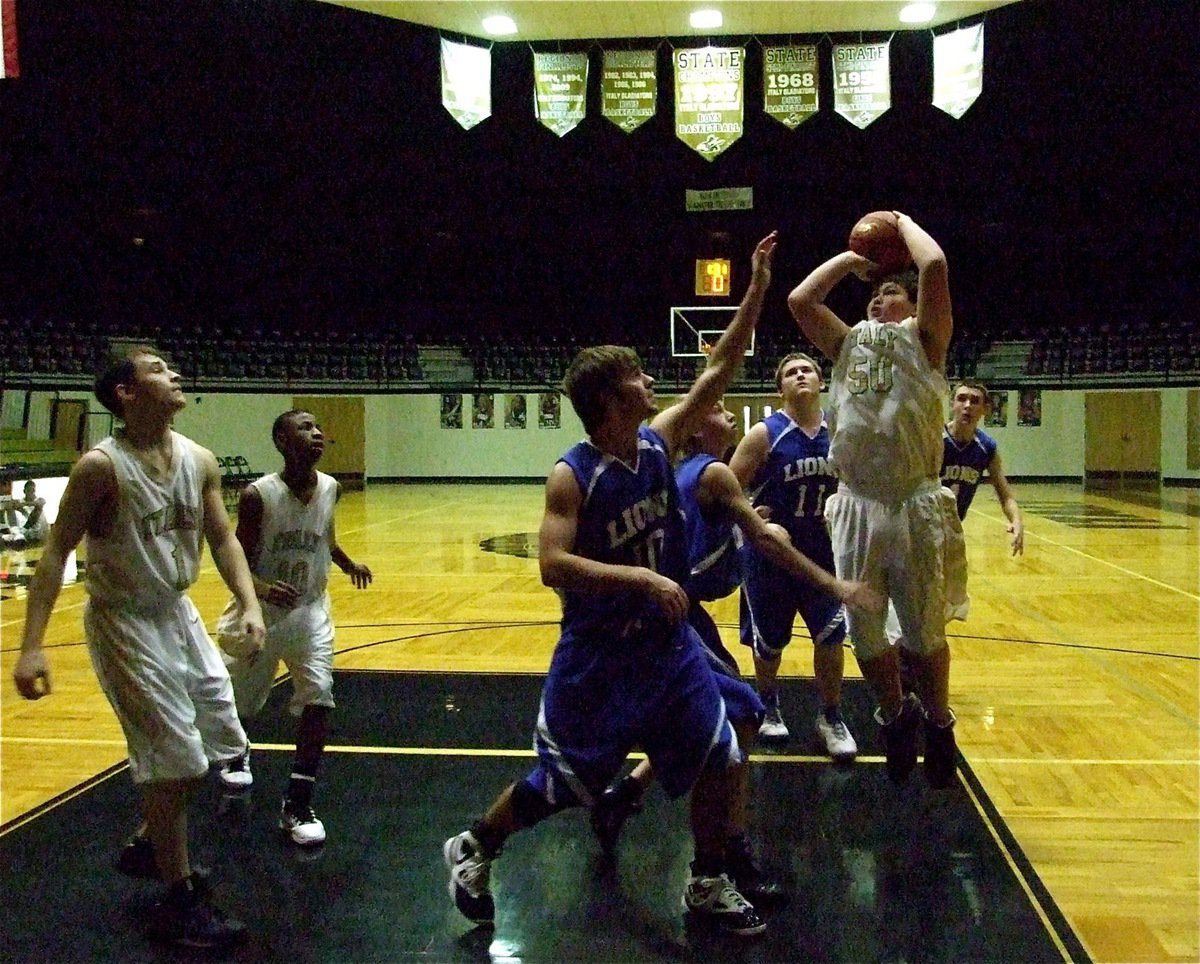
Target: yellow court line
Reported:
[(1012, 865), (500, 752)]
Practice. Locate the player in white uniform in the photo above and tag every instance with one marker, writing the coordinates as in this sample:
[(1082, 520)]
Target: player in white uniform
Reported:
[(893, 524), (285, 524), (142, 497)]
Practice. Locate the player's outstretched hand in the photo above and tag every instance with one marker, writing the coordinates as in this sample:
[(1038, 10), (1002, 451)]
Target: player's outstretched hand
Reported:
[(760, 261), (360, 575), (858, 595), (1017, 531), (668, 595), (32, 675)]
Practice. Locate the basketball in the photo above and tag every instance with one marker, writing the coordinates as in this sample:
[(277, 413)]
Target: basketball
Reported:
[(876, 237)]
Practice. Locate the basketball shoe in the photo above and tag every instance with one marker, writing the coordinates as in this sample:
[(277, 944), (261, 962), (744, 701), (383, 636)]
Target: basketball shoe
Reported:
[(470, 878)]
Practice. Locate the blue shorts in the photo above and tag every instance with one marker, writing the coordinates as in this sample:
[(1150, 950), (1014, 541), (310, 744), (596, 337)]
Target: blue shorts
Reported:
[(772, 597), (742, 703), (604, 697)]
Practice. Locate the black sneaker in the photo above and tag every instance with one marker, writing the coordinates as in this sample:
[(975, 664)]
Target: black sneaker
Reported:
[(137, 858), (715, 899), (749, 878), (609, 813), (194, 921), (941, 753), (900, 738)]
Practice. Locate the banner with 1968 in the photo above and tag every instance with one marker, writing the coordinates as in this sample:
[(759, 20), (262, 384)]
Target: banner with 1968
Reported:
[(790, 83)]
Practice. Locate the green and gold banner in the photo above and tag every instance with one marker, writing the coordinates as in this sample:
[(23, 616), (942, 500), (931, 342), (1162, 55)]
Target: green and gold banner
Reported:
[(560, 90), (862, 82), (709, 88), (790, 79), (466, 82), (958, 69), (629, 87)]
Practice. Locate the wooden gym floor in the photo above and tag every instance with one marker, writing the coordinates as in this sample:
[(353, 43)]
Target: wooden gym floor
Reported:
[(1075, 682)]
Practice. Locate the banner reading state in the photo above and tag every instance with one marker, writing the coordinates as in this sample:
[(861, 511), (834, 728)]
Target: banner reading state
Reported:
[(958, 69), (629, 87), (862, 82), (709, 88), (790, 84), (466, 82), (560, 90)]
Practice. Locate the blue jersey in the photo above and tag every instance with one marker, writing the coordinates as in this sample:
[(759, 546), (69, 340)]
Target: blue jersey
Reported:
[(712, 555), (795, 480), (630, 516), (963, 465)]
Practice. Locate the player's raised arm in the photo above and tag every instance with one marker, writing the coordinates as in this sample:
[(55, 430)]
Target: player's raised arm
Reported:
[(807, 301), (934, 318), (90, 496), (677, 423)]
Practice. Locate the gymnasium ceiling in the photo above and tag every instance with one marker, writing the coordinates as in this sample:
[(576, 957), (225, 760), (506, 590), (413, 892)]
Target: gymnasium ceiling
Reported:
[(590, 19)]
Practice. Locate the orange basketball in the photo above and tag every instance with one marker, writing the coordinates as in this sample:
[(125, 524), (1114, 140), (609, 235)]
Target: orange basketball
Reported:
[(876, 237)]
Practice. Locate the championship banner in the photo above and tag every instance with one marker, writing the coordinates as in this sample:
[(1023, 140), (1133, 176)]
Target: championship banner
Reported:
[(790, 77), (9, 66), (629, 87), (709, 87), (958, 69), (466, 82), (862, 82), (560, 90)]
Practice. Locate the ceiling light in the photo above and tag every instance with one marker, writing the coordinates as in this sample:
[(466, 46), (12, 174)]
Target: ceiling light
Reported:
[(706, 19), (917, 12), (499, 25)]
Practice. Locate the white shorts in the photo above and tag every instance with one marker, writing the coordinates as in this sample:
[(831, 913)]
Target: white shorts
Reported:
[(300, 638), (169, 687), (914, 553)]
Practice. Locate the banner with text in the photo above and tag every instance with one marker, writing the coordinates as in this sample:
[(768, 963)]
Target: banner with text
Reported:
[(790, 80), (709, 87), (560, 90), (466, 82), (719, 199), (862, 82), (958, 69), (629, 87)]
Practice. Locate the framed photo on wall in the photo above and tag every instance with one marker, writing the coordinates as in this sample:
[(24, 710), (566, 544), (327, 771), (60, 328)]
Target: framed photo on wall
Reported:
[(1029, 407), (452, 411), (997, 409), (484, 410), (514, 412), (549, 409)]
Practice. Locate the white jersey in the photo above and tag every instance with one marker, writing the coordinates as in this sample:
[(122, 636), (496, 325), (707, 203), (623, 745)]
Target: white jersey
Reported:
[(152, 554), (294, 540), (887, 411)]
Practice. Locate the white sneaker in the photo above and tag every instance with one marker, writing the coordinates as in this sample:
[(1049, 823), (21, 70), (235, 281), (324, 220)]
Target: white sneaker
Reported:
[(470, 877), (839, 744), (301, 824), (773, 727), (235, 774)]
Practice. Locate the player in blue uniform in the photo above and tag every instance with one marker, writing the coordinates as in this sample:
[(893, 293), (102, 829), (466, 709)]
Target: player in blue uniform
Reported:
[(783, 464), (968, 452), (628, 669), (713, 504)]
